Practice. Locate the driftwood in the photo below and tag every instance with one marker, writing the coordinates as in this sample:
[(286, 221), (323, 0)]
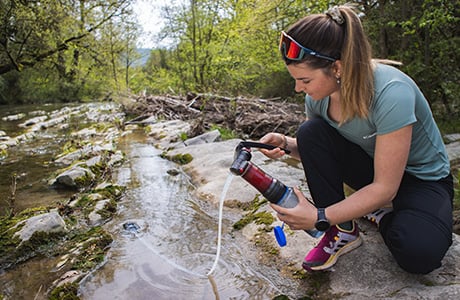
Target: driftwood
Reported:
[(248, 118)]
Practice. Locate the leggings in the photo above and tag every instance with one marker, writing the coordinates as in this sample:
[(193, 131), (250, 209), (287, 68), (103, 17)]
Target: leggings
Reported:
[(418, 232)]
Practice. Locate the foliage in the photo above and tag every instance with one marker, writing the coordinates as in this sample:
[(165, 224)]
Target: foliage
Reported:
[(231, 46), (84, 50), (424, 35), (64, 50), (226, 134)]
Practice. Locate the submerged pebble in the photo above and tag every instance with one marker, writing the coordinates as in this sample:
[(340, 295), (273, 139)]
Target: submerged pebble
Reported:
[(131, 227)]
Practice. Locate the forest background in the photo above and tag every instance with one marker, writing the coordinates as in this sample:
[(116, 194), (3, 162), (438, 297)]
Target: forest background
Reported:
[(87, 50)]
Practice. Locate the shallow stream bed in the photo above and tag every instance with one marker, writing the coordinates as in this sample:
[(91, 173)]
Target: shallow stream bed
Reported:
[(170, 254)]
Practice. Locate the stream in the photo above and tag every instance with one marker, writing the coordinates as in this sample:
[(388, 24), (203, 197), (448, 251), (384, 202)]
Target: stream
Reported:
[(165, 240), (175, 245)]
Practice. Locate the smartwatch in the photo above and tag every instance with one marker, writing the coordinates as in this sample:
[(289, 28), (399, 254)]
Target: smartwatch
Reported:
[(322, 223)]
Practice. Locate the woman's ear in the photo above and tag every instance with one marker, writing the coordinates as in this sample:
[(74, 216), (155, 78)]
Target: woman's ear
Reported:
[(337, 68)]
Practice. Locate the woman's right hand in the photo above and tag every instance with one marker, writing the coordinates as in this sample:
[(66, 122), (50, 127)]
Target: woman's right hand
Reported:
[(276, 139)]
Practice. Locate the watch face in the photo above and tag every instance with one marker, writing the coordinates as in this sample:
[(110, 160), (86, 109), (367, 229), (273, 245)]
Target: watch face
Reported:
[(322, 225)]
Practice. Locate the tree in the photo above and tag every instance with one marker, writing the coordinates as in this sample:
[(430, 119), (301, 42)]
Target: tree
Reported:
[(424, 35), (65, 39)]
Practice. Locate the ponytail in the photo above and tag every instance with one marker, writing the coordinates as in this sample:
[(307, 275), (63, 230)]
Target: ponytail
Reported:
[(357, 75), (339, 33)]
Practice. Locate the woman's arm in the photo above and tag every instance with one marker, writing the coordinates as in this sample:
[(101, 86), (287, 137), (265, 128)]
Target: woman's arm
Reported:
[(391, 154)]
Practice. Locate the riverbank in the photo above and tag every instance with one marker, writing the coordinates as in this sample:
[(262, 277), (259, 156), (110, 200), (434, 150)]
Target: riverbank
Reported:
[(81, 244), (61, 194)]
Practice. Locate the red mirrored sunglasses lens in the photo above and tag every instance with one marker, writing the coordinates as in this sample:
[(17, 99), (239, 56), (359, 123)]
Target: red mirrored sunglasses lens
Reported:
[(293, 52), (290, 48)]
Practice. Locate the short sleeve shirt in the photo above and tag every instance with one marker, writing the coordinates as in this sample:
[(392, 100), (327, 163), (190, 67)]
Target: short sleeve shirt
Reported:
[(397, 102)]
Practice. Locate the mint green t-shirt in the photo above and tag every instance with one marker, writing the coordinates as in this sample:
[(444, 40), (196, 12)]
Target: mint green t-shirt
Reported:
[(397, 102)]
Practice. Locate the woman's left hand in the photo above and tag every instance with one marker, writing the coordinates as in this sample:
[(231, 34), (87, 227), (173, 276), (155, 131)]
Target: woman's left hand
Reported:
[(303, 216)]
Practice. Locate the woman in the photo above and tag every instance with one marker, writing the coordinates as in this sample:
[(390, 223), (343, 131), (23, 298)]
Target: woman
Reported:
[(369, 127)]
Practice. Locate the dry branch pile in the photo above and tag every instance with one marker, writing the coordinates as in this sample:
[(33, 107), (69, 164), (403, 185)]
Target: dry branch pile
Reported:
[(248, 118)]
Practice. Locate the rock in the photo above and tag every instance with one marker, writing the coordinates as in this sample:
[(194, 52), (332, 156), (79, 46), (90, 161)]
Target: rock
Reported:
[(453, 137), (14, 117), (169, 132), (85, 133), (210, 168), (372, 265), (33, 121), (48, 222), (69, 158), (75, 177), (116, 159), (208, 137), (87, 151), (453, 150), (94, 217), (69, 277)]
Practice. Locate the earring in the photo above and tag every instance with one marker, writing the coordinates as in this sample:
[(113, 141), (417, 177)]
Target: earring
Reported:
[(338, 80)]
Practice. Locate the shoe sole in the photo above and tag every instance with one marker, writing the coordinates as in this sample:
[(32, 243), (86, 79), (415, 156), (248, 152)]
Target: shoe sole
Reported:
[(333, 259)]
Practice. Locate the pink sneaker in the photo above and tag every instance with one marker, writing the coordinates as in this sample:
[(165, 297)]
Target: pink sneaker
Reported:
[(334, 243)]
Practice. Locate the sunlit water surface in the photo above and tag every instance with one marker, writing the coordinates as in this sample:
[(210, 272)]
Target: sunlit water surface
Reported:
[(176, 244)]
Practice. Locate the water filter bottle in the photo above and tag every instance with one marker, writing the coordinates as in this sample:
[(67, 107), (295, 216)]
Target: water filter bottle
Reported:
[(272, 189)]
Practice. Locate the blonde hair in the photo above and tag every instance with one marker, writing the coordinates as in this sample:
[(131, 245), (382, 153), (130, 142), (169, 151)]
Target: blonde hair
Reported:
[(338, 33)]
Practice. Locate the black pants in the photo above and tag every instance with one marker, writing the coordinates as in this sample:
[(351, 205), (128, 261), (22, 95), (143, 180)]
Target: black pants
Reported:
[(419, 230)]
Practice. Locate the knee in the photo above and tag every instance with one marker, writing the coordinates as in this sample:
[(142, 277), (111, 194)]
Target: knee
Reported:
[(418, 244), (310, 129)]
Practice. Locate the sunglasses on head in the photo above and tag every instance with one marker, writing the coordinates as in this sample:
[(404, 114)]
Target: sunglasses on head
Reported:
[(294, 51)]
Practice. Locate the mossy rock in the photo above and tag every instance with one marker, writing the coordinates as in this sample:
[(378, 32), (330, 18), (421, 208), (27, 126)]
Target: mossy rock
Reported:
[(181, 159), (260, 218), (95, 244), (68, 291)]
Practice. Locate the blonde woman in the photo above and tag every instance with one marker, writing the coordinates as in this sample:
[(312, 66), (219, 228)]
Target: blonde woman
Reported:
[(369, 126)]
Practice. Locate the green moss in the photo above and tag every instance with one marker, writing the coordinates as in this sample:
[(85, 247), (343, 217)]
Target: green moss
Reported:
[(260, 218), (92, 252), (112, 191), (99, 168), (265, 218), (3, 154), (181, 159), (84, 181), (40, 242), (84, 201), (183, 136), (68, 291), (101, 127), (225, 133), (253, 215), (148, 129), (71, 146), (9, 242), (110, 208)]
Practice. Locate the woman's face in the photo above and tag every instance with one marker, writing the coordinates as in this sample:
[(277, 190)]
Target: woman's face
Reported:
[(314, 82)]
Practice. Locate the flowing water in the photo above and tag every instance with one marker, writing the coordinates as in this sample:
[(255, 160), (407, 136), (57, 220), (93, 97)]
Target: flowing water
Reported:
[(170, 253), (165, 240)]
